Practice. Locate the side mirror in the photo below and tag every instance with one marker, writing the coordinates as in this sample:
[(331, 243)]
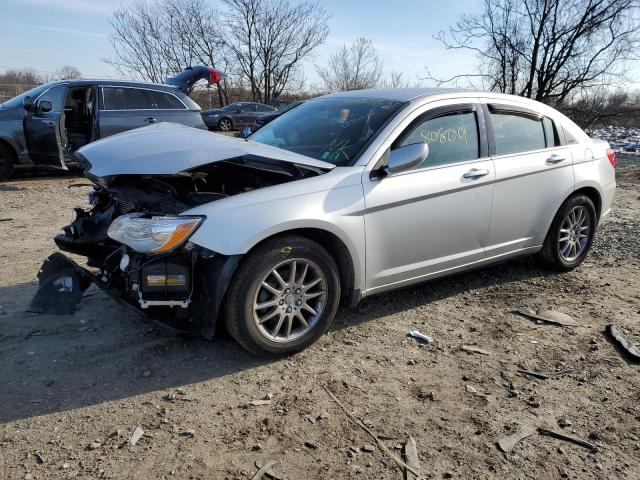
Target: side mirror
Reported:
[(407, 157), (44, 106), (237, 110), (28, 104)]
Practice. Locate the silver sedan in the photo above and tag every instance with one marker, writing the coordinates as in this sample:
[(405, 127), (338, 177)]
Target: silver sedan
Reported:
[(349, 195)]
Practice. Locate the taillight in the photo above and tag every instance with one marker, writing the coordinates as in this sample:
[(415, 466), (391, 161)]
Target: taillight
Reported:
[(611, 155)]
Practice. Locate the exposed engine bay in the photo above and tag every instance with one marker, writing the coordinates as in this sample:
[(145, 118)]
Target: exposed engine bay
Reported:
[(178, 285)]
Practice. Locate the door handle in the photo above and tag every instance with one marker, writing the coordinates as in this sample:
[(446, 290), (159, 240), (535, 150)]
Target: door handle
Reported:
[(149, 120), (555, 158), (50, 124), (476, 173)]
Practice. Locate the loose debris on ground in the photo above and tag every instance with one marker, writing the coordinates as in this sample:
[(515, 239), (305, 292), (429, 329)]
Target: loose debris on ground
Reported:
[(507, 443), (629, 348), (548, 316), (74, 388)]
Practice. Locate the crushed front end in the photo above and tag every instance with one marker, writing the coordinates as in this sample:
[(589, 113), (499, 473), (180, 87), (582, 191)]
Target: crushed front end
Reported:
[(138, 252), (135, 235)]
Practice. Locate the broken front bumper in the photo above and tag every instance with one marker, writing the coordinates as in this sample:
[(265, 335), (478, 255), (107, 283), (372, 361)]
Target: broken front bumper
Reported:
[(190, 308)]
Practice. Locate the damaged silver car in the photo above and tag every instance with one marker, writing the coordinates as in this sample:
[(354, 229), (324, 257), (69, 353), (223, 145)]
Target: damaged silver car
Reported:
[(346, 196)]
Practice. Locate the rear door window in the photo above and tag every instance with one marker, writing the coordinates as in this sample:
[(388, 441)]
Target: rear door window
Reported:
[(451, 138), (119, 98), (516, 132), (165, 101)]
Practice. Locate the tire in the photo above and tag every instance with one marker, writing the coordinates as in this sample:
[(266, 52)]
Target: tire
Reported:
[(559, 255), (247, 291), (6, 163), (225, 124)]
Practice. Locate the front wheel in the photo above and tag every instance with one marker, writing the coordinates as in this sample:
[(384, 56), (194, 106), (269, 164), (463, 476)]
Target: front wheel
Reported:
[(570, 235), (6, 163), (283, 297)]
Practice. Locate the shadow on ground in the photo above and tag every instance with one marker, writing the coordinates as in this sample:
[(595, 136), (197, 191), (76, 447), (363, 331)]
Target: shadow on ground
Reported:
[(57, 363)]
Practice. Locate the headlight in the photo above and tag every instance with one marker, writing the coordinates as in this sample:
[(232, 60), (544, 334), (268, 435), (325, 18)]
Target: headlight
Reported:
[(152, 235)]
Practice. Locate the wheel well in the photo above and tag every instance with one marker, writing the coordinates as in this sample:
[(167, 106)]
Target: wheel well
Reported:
[(7, 146), (338, 251), (593, 195)]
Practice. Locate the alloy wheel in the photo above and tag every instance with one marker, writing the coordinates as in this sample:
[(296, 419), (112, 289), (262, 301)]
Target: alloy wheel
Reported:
[(225, 125), (290, 300), (574, 233)]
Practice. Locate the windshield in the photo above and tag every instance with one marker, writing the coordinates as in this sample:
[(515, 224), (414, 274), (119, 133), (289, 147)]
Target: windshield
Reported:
[(334, 130), (18, 100)]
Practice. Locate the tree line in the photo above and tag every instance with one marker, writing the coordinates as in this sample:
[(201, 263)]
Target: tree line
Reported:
[(15, 81), (572, 54)]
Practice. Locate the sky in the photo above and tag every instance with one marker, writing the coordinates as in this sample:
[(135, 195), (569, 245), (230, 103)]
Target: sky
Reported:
[(46, 34)]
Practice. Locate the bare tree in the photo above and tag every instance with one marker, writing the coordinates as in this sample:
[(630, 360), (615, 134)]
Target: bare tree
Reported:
[(269, 39), (353, 68), (138, 40), (67, 72), (196, 37), (397, 80), (155, 40), (549, 50)]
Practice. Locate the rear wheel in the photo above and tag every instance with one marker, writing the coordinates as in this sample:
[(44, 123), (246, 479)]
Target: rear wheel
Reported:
[(283, 297), (6, 163), (225, 124), (570, 235)]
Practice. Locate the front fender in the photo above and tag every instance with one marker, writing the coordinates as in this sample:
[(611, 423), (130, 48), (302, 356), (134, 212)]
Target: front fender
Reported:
[(332, 202)]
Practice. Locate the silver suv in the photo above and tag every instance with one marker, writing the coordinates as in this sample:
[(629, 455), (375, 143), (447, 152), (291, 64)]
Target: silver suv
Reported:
[(346, 196)]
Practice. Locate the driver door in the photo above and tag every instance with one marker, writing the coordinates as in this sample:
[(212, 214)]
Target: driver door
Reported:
[(434, 218), (44, 127)]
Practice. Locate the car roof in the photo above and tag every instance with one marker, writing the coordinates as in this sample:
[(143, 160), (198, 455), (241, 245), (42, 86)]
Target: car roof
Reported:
[(420, 94), (399, 94), (111, 82)]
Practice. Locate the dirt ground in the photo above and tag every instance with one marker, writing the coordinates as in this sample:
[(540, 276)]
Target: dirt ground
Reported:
[(74, 388)]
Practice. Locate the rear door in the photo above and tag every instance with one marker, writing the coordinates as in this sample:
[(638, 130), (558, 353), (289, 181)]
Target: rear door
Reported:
[(247, 114), (123, 108), (534, 175), (44, 127)]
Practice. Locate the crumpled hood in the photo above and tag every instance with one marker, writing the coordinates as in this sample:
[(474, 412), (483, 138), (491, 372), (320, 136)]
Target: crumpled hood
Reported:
[(168, 148)]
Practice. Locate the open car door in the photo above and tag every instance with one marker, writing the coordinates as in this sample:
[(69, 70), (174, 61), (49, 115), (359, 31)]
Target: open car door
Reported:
[(188, 78), (44, 127)]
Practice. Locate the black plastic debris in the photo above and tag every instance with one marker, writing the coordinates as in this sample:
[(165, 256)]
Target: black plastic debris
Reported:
[(62, 284)]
